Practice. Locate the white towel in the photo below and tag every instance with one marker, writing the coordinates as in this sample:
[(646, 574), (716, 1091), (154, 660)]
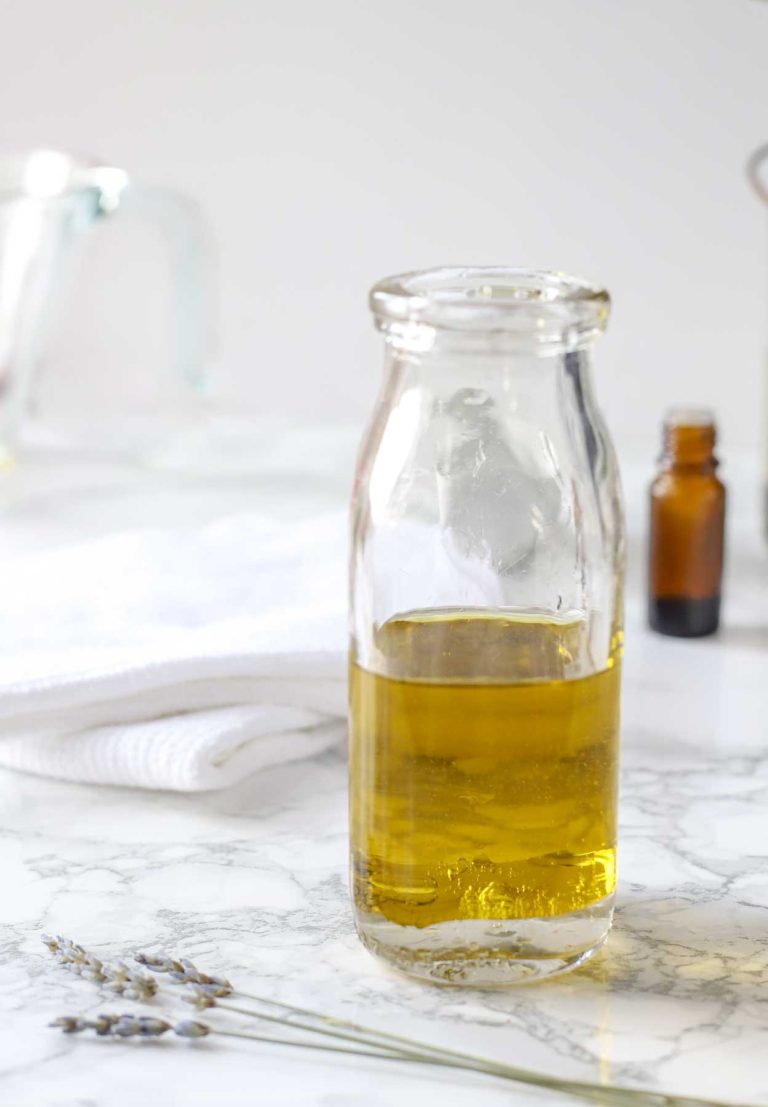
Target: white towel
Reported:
[(175, 658)]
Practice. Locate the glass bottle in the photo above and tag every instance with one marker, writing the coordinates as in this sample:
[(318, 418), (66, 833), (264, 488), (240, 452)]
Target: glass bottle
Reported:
[(50, 201), (687, 529), (486, 614)]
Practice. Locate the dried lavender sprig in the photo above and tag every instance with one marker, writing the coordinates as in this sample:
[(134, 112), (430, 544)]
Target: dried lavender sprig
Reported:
[(117, 978), (204, 992), (182, 971), (185, 972), (207, 989), (130, 1026), (616, 1095), (203, 1000), (207, 992), (133, 1026)]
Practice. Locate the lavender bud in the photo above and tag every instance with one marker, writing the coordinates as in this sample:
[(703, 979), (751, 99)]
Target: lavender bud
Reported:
[(68, 1024), (127, 1026), (103, 1024), (151, 1027), (188, 1028), (199, 999), (215, 989)]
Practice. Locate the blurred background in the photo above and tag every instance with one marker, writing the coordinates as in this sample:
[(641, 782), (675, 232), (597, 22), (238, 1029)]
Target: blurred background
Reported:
[(330, 144)]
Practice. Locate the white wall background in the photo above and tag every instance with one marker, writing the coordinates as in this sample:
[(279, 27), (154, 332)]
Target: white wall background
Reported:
[(334, 142)]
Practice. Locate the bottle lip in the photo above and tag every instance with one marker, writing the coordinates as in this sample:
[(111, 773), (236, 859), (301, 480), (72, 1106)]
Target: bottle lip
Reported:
[(699, 418), (546, 308)]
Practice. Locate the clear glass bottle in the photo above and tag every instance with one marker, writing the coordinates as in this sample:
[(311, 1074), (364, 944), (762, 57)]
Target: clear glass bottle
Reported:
[(486, 615)]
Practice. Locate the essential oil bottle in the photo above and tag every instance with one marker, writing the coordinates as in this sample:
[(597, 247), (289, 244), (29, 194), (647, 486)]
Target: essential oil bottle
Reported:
[(687, 529)]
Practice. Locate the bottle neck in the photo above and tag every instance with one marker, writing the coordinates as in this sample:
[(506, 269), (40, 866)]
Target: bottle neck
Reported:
[(689, 446), (524, 394), (439, 357)]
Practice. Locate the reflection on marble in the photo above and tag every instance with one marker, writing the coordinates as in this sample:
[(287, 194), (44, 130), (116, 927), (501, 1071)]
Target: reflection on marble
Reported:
[(252, 882)]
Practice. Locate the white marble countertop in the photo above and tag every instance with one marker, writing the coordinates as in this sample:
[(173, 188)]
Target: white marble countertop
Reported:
[(251, 882)]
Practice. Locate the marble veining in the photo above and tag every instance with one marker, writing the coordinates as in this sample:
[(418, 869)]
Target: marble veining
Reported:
[(252, 882)]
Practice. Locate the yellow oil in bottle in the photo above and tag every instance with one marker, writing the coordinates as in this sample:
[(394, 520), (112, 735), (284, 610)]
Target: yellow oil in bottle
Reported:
[(483, 770)]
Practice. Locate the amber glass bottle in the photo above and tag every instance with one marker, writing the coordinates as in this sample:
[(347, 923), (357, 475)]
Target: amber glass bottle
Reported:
[(687, 529)]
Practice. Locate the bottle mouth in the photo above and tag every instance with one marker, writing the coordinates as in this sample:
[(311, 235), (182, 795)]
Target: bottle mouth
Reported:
[(693, 417), (546, 309)]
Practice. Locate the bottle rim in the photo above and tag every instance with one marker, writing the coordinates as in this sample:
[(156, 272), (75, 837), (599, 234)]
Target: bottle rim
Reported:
[(545, 307), (688, 416)]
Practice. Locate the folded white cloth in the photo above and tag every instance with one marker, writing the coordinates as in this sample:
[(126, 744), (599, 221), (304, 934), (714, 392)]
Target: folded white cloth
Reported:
[(175, 658)]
